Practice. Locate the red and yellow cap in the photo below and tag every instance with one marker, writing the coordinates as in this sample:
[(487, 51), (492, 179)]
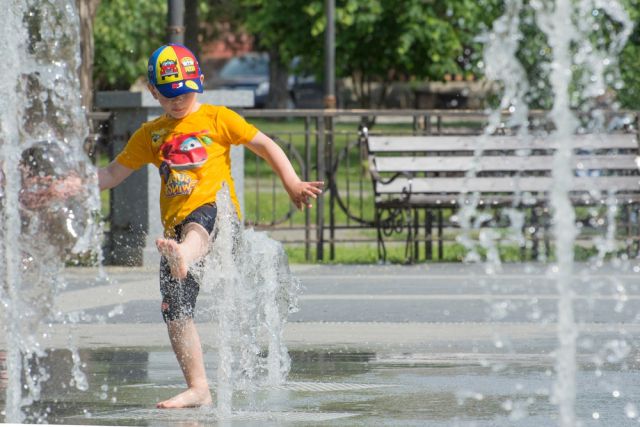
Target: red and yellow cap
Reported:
[(174, 70)]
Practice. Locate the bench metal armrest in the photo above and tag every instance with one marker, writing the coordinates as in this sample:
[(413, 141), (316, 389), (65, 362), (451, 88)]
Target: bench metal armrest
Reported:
[(396, 176), (406, 190)]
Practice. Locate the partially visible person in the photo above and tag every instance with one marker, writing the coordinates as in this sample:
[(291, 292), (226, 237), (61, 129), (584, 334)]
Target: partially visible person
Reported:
[(52, 198)]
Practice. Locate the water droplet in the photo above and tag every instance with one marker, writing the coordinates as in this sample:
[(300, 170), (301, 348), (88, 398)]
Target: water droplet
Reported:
[(630, 410)]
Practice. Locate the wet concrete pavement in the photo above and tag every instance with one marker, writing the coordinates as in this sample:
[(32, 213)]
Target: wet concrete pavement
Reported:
[(369, 307), (434, 345)]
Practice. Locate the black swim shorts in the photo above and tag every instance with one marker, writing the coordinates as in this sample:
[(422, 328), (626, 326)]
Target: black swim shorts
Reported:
[(179, 297)]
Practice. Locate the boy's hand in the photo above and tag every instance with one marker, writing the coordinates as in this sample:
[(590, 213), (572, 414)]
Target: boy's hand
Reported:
[(67, 187), (302, 191), (38, 192)]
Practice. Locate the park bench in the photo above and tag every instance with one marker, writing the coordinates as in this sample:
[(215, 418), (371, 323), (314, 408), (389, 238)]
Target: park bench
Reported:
[(417, 178)]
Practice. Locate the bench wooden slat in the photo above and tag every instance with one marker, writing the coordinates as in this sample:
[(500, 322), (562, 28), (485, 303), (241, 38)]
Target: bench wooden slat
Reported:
[(470, 143), (498, 163), (507, 184), (453, 200)]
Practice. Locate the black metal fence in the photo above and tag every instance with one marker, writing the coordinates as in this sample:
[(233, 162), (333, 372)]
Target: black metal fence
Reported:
[(326, 145)]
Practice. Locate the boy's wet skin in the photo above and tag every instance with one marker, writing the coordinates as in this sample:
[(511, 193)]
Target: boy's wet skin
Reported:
[(181, 255)]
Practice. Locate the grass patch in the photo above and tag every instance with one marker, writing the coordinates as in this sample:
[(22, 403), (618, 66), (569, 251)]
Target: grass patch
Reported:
[(366, 253)]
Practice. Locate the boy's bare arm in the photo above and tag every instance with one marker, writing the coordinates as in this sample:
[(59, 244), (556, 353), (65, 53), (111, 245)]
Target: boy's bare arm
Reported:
[(112, 175), (299, 191)]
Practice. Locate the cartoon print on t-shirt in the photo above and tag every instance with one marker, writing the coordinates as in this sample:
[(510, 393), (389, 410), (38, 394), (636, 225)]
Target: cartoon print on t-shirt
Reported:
[(180, 153), (179, 184), (184, 151)]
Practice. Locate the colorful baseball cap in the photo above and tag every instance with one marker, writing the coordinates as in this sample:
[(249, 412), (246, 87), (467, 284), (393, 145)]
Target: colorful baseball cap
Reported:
[(174, 70)]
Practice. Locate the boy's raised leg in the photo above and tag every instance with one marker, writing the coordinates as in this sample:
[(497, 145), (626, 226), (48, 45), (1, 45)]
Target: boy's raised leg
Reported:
[(186, 345), (181, 255)]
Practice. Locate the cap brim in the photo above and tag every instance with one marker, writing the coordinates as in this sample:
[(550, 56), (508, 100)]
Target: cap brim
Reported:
[(168, 91)]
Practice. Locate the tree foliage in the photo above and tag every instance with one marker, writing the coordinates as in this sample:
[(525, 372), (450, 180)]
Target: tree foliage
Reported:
[(600, 33), (377, 41), (629, 96), (126, 32)]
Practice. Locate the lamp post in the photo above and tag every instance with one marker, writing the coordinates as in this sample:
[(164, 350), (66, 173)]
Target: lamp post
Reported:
[(330, 56), (175, 21)]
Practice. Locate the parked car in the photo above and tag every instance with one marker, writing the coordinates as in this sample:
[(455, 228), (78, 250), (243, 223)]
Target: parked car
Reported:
[(251, 72)]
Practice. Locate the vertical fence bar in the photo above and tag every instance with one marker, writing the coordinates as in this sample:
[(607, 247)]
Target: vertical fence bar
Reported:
[(416, 241), (362, 170), (347, 160), (290, 150), (256, 161), (428, 235), (320, 176), (635, 230), (307, 166), (331, 176), (636, 207), (440, 235), (535, 234), (274, 206), (636, 212), (626, 218)]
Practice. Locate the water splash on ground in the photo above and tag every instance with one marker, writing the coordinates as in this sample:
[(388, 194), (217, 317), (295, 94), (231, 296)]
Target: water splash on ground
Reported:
[(254, 291)]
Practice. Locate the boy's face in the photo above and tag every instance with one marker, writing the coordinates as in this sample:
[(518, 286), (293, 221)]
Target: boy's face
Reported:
[(177, 107)]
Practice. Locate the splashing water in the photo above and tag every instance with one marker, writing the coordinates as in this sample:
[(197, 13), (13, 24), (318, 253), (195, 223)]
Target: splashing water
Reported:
[(578, 59), (254, 291), (42, 131)]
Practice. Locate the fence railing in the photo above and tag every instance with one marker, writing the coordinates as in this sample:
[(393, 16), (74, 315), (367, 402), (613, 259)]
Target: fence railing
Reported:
[(326, 145)]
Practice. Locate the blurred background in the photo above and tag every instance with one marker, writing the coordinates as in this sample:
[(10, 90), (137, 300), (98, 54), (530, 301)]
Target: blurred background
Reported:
[(399, 67), (388, 54)]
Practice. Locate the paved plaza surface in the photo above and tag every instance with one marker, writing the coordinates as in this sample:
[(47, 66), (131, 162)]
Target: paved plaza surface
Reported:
[(423, 345), (370, 307)]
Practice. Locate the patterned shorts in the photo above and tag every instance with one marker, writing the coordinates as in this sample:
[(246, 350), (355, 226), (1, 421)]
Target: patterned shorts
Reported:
[(179, 297)]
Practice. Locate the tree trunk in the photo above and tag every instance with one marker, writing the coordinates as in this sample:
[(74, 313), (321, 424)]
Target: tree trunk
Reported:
[(87, 10), (192, 26), (278, 75)]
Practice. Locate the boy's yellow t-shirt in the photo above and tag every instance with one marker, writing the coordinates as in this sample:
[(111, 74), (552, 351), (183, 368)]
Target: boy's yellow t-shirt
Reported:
[(192, 155)]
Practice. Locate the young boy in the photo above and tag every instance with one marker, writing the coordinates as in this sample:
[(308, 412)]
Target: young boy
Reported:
[(190, 145)]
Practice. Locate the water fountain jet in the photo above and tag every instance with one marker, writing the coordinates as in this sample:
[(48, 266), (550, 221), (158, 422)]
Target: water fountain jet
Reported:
[(40, 127), (576, 60)]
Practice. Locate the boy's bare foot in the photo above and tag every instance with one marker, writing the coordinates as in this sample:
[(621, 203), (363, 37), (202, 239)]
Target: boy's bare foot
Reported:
[(172, 251), (190, 398)]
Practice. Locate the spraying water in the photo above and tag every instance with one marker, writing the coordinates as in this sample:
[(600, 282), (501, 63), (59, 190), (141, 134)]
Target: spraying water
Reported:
[(254, 291), (42, 130), (578, 59)]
